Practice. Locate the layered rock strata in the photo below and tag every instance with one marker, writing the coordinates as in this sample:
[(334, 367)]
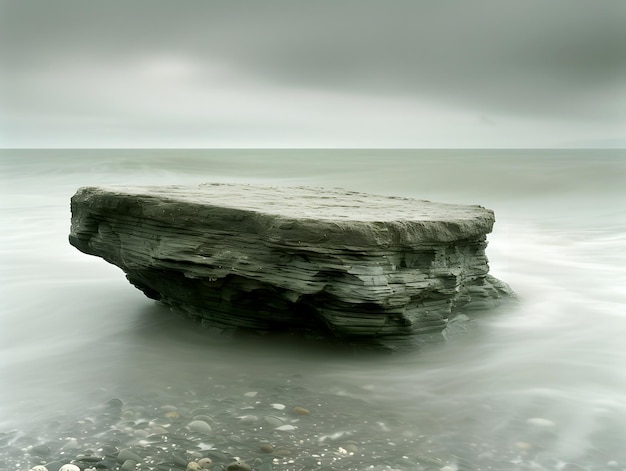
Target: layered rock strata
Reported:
[(270, 258)]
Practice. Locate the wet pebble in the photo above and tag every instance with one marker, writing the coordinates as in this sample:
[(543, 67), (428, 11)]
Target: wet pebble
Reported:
[(205, 463), (273, 421), (277, 406), (54, 465), (301, 411), (219, 455), (285, 428), (193, 466), (158, 430), (71, 444), (238, 466), (127, 454), (140, 434), (129, 465), (266, 448), (160, 421), (248, 419), (88, 456), (179, 460), (106, 463), (40, 450), (115, 403), (199, 426), (70, 467)]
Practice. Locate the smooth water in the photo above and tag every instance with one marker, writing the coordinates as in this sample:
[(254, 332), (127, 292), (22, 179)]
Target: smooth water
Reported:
[(538, 385)]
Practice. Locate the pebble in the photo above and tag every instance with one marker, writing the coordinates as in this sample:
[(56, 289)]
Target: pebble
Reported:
[(106, 463), (54, 465), (199, 426), (205, 463), (71, 444), (40, 450), (128, 465), (282, 452), (266, 448), (179, 460), (140, 434), (248, 433), (126, 454), (301, 411), (158, 430), (251, 394), (218, 455), (84, 461), (273, 421), (248, 419), (238, 466), (115, 403), (285, 428)]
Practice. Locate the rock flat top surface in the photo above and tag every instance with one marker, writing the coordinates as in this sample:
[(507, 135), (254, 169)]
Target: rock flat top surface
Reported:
[(318, 211), (311, 203)]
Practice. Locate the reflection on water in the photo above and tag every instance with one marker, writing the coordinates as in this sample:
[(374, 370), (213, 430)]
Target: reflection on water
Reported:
[(540, 383)]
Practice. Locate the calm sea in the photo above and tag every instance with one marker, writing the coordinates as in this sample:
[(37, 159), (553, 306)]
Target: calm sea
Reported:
[(535, 386)]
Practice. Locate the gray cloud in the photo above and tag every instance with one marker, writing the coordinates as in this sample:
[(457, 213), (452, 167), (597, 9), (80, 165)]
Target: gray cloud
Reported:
[(558, 60)]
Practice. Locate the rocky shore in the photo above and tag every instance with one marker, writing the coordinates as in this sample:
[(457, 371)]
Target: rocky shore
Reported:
[(279, 426), (272, 258)]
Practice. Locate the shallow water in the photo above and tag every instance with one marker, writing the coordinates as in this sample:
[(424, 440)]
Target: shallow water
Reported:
[(533, 386)]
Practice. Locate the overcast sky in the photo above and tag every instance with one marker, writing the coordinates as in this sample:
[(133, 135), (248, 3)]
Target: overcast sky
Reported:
[(272, 73)]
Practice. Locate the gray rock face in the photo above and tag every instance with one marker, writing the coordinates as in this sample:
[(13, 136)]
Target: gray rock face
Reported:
[(272, 258)]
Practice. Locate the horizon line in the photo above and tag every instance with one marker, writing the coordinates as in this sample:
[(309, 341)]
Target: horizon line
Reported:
[(316, 148)]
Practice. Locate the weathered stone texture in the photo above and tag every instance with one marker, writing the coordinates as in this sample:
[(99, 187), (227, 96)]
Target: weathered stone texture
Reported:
[(285, 258)]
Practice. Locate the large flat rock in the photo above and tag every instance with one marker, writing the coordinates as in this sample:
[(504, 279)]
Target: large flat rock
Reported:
[(267, 258)]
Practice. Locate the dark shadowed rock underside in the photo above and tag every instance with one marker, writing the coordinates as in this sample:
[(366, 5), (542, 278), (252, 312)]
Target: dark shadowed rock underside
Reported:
[(269, 258)]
